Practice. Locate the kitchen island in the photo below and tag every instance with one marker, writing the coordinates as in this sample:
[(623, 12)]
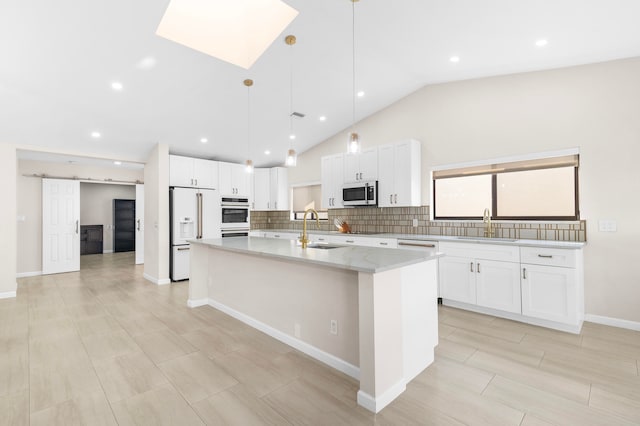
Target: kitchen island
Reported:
[(368, 312)]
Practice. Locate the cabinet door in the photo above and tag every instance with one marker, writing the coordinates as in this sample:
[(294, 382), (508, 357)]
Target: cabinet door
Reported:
[(241, 180), (205, 173), (279, 188), (407, 181), (338, 179), (549, 293), (326, 182), (181, 171), (458, 279), (386, 175), (224, 179), (498, 285), (369, 165), (261, 189), (352, 168)]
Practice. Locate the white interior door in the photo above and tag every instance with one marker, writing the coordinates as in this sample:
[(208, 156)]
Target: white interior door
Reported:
[(139, 224), (60, 226)]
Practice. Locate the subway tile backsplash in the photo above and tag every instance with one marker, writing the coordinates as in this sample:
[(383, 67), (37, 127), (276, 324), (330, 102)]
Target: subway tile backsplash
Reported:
[(399, 220)]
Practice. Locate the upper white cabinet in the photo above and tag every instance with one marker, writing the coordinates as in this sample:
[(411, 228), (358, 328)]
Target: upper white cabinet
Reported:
[(399, 174), (279, 199), (192, 172), (234, 180), (362, 167), (332, 172), (271, 189), (552, 286)]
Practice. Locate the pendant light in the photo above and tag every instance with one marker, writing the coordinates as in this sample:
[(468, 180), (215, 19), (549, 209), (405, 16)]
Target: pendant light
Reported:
[(353, 143), (249, 163), (292, 156)]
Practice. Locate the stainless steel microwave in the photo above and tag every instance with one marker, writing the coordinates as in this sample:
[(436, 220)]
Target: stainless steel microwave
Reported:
[(360, 194)]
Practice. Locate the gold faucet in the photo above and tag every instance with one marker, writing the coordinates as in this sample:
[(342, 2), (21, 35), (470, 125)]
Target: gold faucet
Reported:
[(486, 219), (304, 238)]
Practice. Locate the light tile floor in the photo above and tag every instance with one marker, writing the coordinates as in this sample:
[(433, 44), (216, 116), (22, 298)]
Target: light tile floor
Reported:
[(104, 346)]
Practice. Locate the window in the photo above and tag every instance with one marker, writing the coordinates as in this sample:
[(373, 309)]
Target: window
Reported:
[(539, 189), (307, 197)]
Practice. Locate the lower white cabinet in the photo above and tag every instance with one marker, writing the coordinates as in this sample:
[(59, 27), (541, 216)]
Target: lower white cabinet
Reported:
[(552, 286), (498, 285), (457, 279)]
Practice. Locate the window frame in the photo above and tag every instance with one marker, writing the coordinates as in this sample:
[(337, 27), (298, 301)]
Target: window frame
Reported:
[(494, 190)]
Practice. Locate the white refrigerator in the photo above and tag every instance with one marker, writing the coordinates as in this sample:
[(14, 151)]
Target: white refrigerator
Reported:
[(195, 213)]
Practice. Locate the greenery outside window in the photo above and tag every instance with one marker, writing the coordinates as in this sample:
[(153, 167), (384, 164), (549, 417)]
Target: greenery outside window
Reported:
[(539, 189)]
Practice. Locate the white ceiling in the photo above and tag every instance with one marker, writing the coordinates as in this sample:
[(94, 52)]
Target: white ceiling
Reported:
[(59, 58)]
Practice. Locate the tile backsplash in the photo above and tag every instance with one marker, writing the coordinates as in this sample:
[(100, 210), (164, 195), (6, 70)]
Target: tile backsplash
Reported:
[(399, 220)]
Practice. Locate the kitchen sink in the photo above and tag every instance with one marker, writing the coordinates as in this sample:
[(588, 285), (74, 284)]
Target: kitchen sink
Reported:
[(322, 246)]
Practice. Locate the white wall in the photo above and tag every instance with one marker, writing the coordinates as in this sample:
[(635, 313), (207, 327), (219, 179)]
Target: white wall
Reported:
[(29, 203), (593, 107), (156, 215), (8, 220), (96, 207)]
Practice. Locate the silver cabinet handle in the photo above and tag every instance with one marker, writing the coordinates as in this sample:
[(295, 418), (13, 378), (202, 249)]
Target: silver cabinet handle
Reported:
[(478, 268), (349, 241), (524, 273), (356, 176), (183, 248), (320, 239), (268, 204), (390, 198), (471, 265), (546, 256), (275, 205), (276, 236), (384, 244), (360, 176), (138, 224), (196, 182), (417, 245), (77, 226), (200, 219), (396, 199)]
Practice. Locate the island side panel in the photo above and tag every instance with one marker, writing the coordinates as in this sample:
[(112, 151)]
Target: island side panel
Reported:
[(198, 275), (381, 339), (282, 293)]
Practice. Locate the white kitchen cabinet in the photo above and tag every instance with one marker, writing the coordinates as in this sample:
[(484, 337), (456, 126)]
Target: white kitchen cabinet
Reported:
[(361, 167), (234, 180), (332, 175), (261, 189), (279, 188), (399, 174), (192, 172), (481, 274), (552, 284)]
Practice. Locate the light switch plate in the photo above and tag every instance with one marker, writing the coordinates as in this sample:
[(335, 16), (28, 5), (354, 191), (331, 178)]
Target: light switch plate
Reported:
[(607, 225), (415, 223), (21, 218)]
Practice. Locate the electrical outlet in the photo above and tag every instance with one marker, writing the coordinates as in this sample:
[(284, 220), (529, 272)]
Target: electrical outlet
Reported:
[(607, 225), (296, 329), (415, 223), (334, 327)]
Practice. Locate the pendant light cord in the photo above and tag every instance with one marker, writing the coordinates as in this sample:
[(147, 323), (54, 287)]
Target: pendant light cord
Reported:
[(248, 122), (353, 64), (290, 95)]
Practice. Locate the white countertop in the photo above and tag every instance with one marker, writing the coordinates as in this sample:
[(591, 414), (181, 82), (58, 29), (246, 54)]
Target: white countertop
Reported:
[(354, 258), (421, 237)]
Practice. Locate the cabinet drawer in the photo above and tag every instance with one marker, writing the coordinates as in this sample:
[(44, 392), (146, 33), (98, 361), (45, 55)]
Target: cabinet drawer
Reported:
[(499, 252), (548, 256), (379, 242)]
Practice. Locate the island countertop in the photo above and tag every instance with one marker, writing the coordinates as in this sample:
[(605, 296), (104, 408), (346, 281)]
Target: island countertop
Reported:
[(354, 258)]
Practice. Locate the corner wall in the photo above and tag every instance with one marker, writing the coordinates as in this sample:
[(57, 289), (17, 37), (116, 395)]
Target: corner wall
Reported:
[(156, 216), (8, 169), (594, 107)]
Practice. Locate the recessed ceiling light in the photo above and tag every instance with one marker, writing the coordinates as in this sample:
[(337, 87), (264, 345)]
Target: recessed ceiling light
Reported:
[(267, 152), (322, 118), (95, 135), (116, 85), (454, 59), (204, 140), (292, 137), (360, 94), (541, 43), (117, 163)]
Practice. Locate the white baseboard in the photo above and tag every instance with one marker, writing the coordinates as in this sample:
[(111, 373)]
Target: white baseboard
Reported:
[(377, 404), (28, 274), (197, 302), (322, 356), (614, 322), (8, 294), (155, 280), (107, 251)]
